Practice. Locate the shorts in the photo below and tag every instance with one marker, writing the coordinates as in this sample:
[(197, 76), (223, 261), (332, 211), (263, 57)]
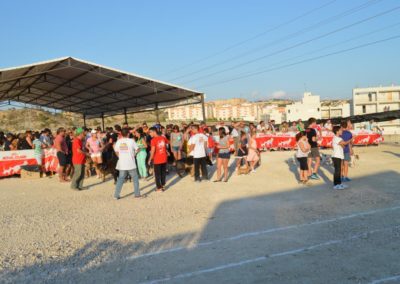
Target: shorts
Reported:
[(303, 163), (62, 159), (69, 159), (175, 148), (39, 160), (95, 155), (240, 153), (224, 155), (347, 157), (314, 153)]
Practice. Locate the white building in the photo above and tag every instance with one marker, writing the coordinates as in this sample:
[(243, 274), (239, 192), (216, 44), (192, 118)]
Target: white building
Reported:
[(331, 109), (189, 113), (378, 99), (310, 106), (273, 112)]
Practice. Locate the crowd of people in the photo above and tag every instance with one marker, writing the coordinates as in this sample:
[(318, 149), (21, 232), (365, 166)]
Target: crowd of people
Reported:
[(141, 151)]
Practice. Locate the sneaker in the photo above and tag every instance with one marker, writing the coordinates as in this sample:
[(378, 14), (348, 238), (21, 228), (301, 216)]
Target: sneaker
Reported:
[(345, 186), (253, 171), (314, 176), (116, 198), (346, 179), (338, 187)]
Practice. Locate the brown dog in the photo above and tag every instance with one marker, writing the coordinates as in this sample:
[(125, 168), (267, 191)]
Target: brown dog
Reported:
[(88, 167)]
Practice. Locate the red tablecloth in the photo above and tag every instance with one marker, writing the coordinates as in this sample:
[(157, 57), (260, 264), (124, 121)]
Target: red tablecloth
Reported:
[(288, 140), (11, 161)]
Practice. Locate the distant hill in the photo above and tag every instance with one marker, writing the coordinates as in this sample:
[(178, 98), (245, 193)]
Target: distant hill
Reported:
[(18, 120)]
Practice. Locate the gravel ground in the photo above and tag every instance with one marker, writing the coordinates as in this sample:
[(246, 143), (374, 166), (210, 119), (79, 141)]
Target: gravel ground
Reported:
[(260, 228)]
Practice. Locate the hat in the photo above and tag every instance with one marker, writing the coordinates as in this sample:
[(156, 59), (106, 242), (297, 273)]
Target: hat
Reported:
[(78, 131), (93, 131)]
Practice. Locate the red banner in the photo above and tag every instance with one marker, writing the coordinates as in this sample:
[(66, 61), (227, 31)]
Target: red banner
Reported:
[(288, 140), (11, 161)]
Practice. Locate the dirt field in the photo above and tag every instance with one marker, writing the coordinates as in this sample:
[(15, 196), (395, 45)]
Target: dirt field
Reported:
[(261, 228)]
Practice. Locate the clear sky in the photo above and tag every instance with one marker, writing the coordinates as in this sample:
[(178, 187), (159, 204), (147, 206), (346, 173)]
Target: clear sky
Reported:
[(196, 43)]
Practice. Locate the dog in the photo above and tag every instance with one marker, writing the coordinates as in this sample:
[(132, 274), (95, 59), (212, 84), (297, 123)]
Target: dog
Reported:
[(353, 160), (88, 167), (244, 170), (184, 166), (109, 167)]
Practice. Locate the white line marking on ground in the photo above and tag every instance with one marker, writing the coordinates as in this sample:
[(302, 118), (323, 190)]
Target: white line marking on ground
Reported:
[(262, 258), (264, 232), (388, 279)]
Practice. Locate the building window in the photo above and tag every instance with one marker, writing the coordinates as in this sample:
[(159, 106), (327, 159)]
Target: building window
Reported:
[(370, 97), (364, 109)]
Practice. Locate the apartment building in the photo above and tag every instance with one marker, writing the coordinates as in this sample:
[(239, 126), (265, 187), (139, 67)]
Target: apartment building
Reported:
[(335, 108), (378, 99)]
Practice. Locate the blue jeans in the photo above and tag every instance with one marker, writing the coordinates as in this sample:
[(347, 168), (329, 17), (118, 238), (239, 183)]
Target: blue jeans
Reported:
[(121, 180)]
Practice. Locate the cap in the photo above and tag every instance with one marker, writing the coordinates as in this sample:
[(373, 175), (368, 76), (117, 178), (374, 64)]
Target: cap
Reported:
[(79, 131), (93, 131)]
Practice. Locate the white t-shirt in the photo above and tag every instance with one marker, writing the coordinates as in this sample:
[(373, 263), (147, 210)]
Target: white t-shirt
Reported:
[(337, 148), (261, 128), (234, 133), (126, 148), (198, 141)]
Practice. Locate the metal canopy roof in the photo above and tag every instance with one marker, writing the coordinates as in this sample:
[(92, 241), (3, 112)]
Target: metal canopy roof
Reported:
[(74, 85)]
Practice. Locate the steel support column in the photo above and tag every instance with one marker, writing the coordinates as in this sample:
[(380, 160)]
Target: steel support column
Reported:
[(102, 121), (157, 113), (126, 116), (84, 120), (203, 107)]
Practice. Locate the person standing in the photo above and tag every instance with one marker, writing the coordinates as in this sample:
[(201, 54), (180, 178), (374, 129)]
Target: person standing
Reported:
[(62, 151), (159, 157), (337, 157), (303, 149), (126, 149), (78, 160), (253, 154), (314, 152), (176, 143), (142, 152), (38, 151), (198, 146), (95, 148), (224, 155), (347, 136)]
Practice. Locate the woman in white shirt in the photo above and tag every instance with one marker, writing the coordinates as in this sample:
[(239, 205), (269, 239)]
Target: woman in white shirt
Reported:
[(303, 149)]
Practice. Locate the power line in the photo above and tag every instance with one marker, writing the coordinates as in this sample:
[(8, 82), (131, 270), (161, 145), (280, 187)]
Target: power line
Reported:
[(253, 37), (304, 61), (297, 45), (330, 46), (280, 40)]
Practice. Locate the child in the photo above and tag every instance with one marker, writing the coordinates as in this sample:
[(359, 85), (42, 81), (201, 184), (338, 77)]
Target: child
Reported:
[(337, 157), (210, 146), (303, 149), (253, 156), (38, 151), (242, 150)]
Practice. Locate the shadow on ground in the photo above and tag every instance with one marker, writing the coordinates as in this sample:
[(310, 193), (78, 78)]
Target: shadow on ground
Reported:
[(110, 261)]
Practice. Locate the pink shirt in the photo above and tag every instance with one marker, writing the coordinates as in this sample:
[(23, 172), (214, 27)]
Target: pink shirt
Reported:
[(94, 145)]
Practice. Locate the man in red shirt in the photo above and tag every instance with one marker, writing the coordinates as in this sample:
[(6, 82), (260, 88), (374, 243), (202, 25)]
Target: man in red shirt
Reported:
[(159, 157), (78, 160)]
